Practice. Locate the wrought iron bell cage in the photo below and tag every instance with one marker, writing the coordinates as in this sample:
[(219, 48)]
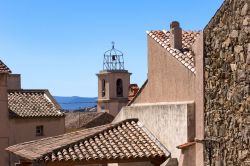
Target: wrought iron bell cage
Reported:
[(113, 59)]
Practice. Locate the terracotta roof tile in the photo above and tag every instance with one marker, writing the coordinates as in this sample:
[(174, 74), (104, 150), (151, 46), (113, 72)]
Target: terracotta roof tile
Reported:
[(32, 103), (185, 55), (133, 89), (4, 68), (138, 93), (125, 140), (76, 120)]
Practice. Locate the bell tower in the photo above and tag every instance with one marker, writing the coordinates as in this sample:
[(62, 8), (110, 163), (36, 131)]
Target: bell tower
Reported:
[(113, 83)]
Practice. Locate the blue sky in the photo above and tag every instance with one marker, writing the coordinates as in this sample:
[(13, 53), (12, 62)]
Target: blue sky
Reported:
[(59, 44)]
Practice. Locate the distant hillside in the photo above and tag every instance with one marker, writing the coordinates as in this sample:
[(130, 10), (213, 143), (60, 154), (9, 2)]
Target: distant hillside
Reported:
[(75, 102)]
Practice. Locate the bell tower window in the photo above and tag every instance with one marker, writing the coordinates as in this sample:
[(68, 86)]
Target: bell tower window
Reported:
[(119, 88), (103, 88)]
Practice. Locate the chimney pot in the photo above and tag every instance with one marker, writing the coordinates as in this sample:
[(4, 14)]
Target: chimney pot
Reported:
[(175, 35), (174, 24)]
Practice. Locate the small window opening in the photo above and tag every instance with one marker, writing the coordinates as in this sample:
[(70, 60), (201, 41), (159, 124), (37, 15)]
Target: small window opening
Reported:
[(102, 109), (119, 88), (39, 131), (103, 88)]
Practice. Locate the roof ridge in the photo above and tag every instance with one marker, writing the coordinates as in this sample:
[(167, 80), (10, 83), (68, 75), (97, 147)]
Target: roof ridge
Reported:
[(109, 126), (27, 90), (185, 55), (47, 106), (109, 142), (165, 30), (4, 68), (48, 138), (98, 114)]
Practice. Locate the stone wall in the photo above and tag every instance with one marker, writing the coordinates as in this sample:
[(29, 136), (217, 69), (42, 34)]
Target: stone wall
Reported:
[(227, 89)]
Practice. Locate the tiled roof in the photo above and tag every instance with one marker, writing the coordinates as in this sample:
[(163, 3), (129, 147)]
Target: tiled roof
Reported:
[(32, 103), (133, 89), (185, 55), (4, 68), (128, 139), (76, 120), (138, 93)]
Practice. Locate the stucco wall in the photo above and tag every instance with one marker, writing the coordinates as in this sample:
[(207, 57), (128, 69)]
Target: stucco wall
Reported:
[(227, 89), (186, 158), (171, 123), (111, 77), (168, 79), (24, 130), (111, 103), (198, 49), (14, 81), (4, 123), (112, 106)]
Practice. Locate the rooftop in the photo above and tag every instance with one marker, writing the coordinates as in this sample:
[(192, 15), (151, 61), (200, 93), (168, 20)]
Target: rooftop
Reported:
[(32, 103), (185, 55), (128, 140), (4, 68), (76, 120)]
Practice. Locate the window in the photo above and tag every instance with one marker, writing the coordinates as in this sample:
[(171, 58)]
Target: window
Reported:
[(102, 108), (39, 130), (119, 88), (103, 88)]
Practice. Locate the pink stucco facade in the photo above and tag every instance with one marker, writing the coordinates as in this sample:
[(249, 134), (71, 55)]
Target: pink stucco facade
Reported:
[(170, 81)]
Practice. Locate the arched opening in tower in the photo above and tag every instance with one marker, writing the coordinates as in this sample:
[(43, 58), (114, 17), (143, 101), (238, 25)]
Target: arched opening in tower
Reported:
[(103, 88), (119, 88)]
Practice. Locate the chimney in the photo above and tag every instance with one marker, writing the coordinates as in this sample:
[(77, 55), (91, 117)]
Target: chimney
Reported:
[(175, 35)]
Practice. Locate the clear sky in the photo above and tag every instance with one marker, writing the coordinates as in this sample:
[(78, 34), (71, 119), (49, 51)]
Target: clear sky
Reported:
[(59, 44)]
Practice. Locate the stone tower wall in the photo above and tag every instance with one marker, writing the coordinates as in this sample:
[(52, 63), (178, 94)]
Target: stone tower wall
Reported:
[(227, 89)]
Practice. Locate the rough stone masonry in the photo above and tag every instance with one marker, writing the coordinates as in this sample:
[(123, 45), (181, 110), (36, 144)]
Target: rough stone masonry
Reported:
[(227, 85)]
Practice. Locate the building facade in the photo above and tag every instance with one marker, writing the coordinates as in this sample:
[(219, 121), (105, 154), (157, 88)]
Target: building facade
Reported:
[(25, 115), (218, 85), (172, 96), (195, 102)]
